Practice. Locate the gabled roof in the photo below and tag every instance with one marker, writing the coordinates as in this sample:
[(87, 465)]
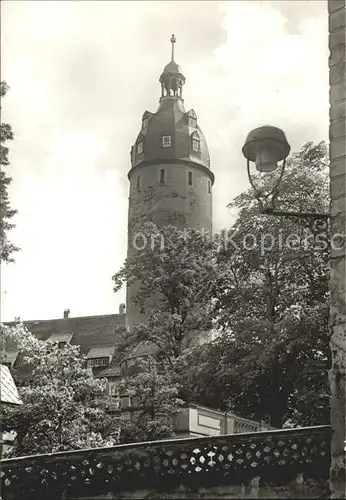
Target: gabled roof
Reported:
[(8, 390)]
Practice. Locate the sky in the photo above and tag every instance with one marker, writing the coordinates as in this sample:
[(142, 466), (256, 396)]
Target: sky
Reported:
[(81, 74)]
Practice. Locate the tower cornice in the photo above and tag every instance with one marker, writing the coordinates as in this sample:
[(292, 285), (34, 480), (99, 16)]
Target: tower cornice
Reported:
[(172, 161)]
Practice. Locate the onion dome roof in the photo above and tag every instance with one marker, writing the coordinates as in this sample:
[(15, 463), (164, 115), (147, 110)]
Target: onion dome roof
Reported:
[(172, 68)]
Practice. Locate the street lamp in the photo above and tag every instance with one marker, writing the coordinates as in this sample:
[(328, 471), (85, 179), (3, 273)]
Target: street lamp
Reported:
[(267, 146)]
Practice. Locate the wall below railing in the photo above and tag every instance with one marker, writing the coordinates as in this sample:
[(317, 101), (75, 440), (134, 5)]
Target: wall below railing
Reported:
[(290, 463)]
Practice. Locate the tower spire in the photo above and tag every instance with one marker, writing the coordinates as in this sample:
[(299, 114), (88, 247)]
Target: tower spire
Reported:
[(172, 79), (173, 40)]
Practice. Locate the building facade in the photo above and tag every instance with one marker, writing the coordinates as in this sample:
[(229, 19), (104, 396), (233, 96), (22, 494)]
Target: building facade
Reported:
[(337, 151)]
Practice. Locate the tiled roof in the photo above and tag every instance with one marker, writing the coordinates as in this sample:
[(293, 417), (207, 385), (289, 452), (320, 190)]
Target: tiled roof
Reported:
[(113, 370), (86, 331), (101, 352), (8, 390), (61, 337)]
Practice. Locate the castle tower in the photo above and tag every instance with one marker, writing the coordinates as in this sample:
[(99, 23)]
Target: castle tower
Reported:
[(170, 177)]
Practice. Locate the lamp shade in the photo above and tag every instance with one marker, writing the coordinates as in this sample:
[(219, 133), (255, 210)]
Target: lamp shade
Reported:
[(266, 146)]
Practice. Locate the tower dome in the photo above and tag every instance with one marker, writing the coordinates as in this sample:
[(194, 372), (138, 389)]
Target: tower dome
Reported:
[(172, 68), (171, 133)]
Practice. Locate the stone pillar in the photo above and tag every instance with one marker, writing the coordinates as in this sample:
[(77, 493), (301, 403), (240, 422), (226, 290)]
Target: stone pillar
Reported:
[(337, 374)]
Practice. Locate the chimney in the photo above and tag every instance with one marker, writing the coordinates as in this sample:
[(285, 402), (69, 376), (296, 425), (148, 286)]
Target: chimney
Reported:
[(66, 313), (122, 309)]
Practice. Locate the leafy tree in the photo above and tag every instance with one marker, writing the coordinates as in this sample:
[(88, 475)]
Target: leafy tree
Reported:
[(149, 402), (61, 400), (177, 269), (64, 406), (270, 301), (6, 212)]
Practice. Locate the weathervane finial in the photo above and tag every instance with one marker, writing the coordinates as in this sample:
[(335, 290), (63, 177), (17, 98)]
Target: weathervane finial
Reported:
[(173, 40)]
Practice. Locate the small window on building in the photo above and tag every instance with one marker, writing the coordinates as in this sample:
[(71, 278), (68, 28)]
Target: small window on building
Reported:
[(138, 182), (90, 362), (196, 145), (195, 142), (162, 175), (140, 148), (142, 310), (97, 362), (190, 178), (61, 345), (104, 362), (166, 141), (209, 187)]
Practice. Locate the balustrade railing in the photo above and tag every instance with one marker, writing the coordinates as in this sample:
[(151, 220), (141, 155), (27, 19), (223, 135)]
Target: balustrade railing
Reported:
[(272, 455)]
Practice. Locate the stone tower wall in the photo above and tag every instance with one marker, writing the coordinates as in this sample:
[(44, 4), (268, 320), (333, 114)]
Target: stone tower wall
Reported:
[(173, 202)]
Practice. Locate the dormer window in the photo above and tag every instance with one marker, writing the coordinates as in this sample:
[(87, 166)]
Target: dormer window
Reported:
[(140, 148), (166, 141), (97, 362), (192, 118), (196, 145), (195, 142), (100, 356)]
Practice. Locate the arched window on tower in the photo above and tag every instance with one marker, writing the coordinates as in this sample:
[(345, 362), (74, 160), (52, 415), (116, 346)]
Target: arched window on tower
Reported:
[(195, 142)]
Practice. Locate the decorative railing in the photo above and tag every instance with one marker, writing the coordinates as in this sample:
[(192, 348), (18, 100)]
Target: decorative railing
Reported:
[(241, 425), (274, 456)]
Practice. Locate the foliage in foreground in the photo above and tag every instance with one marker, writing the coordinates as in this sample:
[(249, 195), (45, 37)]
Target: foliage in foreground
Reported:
[(152, 396), (60, 397), (263, 285), (64, 405), (6, 212), (271, 305), (178, 270)]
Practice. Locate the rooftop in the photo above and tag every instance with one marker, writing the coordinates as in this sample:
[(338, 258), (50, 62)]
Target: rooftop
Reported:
[(8, 390)]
